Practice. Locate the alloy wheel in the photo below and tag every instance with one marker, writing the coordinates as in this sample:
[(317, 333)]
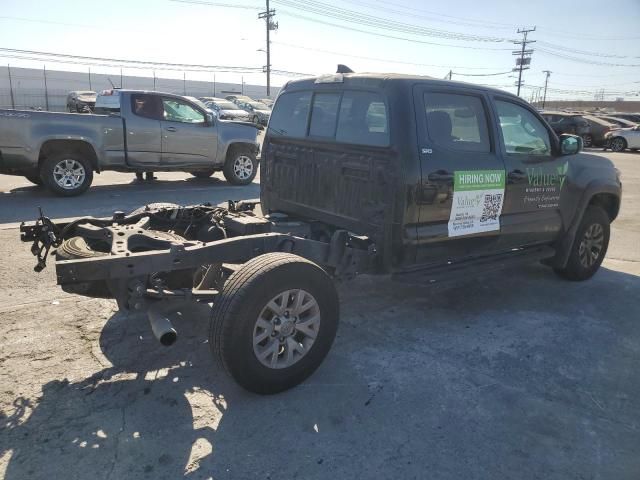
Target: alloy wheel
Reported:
[(243, 167), (591, 245), (69, 174), (286, 329)]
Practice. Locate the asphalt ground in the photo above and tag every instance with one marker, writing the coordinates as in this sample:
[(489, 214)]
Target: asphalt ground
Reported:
[(511, 376)]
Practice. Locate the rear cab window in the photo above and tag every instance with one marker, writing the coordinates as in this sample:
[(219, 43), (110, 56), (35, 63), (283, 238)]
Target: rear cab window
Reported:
[(457, 121), (349, 116), (147, 106)]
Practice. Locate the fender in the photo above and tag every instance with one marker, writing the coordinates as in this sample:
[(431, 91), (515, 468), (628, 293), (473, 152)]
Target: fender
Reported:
[(563, 246), (72, 138)]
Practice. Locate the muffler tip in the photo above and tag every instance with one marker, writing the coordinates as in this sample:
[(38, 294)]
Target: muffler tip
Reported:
[(169, 338)]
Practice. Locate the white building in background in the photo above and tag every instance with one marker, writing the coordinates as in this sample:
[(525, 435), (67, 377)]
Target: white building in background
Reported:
[(28, 86)]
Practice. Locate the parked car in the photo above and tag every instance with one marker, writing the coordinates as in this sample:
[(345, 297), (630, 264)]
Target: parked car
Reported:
[(598, 128), (163, 132), (633, 117), (621, 122), (226, 110), (235, 98), (267, 101), (258, 109), (571, 123), (459, 180), (623, 138), (81, 101)]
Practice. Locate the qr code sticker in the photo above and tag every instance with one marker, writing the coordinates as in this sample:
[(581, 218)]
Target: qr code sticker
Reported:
[(492, 203)]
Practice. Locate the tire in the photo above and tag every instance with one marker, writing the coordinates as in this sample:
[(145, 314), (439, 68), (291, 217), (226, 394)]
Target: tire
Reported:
[(203, 174), (581, 265), (53, 170), (241, 166), (35, 179), (74, 248), (587, 140), (618, 144), (240, 309)]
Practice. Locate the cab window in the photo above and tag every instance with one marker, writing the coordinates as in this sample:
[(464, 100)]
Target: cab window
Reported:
[(289, 117), (522, 132), (147, 106), (457, 122), (324, 115), (179, 111), (363, 119)]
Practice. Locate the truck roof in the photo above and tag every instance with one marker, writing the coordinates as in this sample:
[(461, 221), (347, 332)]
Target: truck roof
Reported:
[(377, 80)]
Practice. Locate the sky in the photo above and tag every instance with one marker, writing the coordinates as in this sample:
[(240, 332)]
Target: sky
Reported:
[(588, 45)]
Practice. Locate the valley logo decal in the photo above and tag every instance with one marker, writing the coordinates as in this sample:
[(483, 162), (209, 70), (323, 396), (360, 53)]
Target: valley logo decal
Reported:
[(544, 187)]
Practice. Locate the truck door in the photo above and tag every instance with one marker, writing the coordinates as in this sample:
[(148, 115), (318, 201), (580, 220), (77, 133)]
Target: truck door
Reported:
[(462, 188), (142, 133), (536, 177), (188, 140)]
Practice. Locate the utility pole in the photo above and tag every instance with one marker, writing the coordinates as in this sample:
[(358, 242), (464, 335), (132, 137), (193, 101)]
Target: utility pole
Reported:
[(214, 84), (524, 61), (13, 102), (546, 81), (184, 83), (268, 14), (90, 79), (46, 92), (450, 74)]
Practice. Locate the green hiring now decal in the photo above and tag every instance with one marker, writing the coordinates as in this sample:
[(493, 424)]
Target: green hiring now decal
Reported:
[(478, 180)]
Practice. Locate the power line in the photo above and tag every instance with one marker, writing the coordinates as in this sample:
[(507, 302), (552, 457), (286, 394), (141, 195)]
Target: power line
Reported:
[(582, 52), (584, 60), (352, 16), (217, 4), (368, 32), (387, 60)]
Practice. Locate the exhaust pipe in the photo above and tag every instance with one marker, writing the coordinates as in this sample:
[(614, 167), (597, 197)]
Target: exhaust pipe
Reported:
[(161, 326)]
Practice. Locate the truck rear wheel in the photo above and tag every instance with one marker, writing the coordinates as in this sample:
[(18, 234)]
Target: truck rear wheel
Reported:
[(66, 174), (274, 322), (589, 246), (241, 166)]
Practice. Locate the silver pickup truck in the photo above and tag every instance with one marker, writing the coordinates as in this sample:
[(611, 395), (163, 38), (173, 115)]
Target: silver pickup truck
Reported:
[(142, 131)]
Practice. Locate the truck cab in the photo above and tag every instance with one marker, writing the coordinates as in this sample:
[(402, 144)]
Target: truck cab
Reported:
[(361, 173), (434, 171)]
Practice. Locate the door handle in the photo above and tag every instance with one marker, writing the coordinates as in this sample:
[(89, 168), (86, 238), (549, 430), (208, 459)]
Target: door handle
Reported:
[(440, 176), (516, 176), (171, 129)]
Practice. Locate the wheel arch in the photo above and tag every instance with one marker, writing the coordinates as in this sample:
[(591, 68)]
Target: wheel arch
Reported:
[(604, 195), (232, 147), (82, 147)]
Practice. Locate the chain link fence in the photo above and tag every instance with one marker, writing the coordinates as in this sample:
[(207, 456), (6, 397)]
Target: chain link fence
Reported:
[(24, 88)]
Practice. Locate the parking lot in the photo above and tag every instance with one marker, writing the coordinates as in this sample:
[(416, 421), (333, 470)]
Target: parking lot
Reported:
[(530, 378)]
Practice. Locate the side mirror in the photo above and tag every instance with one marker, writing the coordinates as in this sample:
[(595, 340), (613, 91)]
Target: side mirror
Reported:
[(570, 144), (209, 121)]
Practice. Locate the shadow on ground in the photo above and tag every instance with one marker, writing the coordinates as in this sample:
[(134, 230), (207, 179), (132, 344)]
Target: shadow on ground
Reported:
[(533, 378)]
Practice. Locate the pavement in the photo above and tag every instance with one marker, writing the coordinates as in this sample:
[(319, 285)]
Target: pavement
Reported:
[(534, 378)]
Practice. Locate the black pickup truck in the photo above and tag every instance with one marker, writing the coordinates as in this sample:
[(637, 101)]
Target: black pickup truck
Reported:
[(361, 173)]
